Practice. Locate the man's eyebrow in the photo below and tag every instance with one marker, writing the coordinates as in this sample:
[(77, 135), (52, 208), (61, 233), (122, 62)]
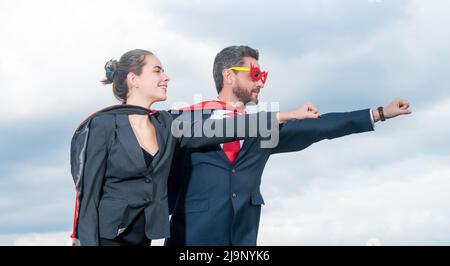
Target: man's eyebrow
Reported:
[(159, 67)]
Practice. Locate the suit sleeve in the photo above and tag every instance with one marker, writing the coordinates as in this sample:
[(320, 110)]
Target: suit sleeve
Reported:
[(298, 134), (92, 182), (194, 129)]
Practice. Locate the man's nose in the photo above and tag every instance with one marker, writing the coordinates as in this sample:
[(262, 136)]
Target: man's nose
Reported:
[(260, 84)]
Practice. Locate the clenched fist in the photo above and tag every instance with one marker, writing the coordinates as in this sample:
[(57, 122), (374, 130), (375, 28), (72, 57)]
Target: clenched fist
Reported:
[(308, 110), (397, 107)]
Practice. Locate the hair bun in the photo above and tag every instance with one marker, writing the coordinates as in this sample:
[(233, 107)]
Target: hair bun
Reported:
[(111, 68)]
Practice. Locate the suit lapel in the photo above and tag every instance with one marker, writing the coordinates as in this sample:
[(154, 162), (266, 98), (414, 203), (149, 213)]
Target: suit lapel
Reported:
[(161, 138), (219, 113), (244, 149), (222, 154), (129, 142)]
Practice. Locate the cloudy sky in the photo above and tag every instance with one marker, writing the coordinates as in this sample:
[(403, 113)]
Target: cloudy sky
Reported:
[(388, 187)]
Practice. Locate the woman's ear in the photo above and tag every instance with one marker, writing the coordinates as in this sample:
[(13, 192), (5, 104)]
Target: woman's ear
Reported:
[(132, 80)]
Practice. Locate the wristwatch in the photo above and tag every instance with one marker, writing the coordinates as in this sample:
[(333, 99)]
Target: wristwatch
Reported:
[(381, 112)]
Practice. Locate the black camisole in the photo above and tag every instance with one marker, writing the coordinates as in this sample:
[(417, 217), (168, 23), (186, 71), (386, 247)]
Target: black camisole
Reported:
[(148, 157)]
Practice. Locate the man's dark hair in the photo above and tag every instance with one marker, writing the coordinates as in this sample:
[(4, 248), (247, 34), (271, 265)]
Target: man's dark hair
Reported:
[(229, 57)]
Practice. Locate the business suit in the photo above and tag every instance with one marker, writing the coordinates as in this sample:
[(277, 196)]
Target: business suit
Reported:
[(117, 185), (218, 203)]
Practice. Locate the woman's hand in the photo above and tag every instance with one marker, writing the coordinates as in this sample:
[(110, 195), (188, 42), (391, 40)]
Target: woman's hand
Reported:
[(307, 111)]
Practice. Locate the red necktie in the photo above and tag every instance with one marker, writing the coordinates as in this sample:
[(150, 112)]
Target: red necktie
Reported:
[(231, 149)]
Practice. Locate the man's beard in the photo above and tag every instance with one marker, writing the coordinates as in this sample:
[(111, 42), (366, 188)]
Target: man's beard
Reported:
[(244, 96)]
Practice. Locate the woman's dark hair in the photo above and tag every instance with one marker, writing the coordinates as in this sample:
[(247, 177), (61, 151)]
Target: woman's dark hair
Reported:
[(117, 71)]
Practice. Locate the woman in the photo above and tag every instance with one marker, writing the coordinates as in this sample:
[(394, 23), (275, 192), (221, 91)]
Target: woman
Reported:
[(121, 157)]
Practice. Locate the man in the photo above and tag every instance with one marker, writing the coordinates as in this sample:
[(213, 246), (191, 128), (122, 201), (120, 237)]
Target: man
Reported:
[(216, 191)]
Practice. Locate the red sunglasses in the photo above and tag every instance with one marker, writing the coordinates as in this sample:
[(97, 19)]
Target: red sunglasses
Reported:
[(255, 73)]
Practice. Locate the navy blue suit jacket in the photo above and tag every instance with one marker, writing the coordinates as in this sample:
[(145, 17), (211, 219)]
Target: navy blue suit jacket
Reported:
[(216, 203)]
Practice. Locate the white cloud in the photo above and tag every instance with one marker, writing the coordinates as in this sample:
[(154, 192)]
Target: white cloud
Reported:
[(425, 36), (55, 60), (407, 56), (46, 239), (384, 186), (401, 208)]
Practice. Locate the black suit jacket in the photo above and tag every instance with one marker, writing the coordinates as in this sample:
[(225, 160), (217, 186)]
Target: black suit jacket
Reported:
[(117, 185)]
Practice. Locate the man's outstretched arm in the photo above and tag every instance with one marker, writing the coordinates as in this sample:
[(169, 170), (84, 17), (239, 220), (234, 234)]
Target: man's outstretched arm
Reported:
[(296, 135)]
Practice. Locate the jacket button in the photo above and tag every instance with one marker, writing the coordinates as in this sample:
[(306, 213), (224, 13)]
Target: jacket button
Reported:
[(147, 199), (148, 180), (234, 195), (233, 171)]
